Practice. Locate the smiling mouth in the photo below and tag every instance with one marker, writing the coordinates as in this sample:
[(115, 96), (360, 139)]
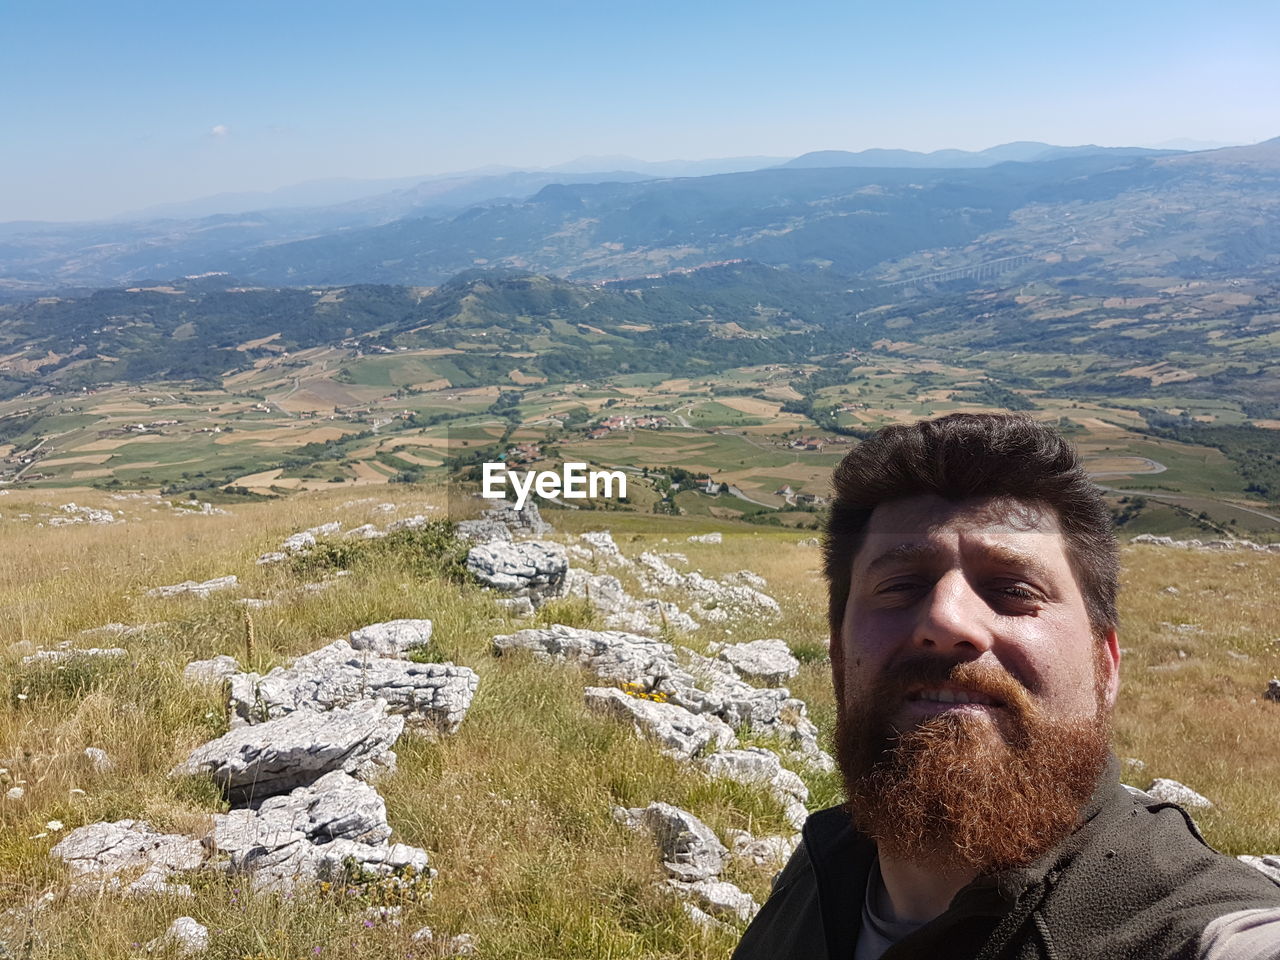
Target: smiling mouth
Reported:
[(952, 695)]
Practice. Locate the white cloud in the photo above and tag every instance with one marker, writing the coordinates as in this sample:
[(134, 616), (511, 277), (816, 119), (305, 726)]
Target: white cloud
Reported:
[(221, 130)]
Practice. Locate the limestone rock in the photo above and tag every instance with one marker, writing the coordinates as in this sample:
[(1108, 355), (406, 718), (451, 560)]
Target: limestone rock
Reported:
[(756, 765), (99, 760), (364, 532), (603, 548), (768, 661), (681, 733), (530, 568), (409, 523), (1171, 791), (433, 696), (261, 760), (99, 851), (202, 589), (442, 945), (680, 677), (714, 537), (271, 556), (483, 530), (298, 542), (187, 937), (525, 522), (212, 671), (63, 654), (395, 638), (689, 849), (719, 899), (772, 852)]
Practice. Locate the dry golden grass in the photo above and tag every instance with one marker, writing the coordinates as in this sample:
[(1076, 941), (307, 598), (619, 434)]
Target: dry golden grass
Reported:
[(515, 808)]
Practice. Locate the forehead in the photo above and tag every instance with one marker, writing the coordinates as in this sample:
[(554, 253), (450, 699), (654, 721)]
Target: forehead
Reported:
[(991, 525)]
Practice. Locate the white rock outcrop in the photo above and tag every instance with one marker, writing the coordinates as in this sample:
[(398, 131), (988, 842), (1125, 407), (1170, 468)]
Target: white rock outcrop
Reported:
[(191, 587), (252, 762), (433, 697), (530, 568), (680, 733), (766, 661), (1171, 791), (185, 936), (689, 849)]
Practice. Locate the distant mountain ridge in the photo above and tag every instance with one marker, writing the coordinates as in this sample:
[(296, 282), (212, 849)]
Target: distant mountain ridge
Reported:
[(1022, 151), (832, 213)]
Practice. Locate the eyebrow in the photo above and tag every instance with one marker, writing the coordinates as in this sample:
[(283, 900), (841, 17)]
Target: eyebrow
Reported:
[(915, 553)]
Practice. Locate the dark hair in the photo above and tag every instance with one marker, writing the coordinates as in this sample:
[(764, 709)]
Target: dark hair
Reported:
[(974, 455)]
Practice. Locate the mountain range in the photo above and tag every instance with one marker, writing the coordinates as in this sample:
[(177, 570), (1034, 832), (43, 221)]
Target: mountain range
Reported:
[(827, 210)]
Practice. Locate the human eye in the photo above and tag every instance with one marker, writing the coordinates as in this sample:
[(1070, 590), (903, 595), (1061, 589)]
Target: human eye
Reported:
[(1018, 594)]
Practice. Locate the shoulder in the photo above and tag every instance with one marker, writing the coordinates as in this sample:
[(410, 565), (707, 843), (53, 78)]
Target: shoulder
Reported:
[(790, 922), (1142, 882)]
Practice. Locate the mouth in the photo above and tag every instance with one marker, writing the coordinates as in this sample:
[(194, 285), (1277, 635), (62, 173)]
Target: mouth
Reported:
[(952, 695)]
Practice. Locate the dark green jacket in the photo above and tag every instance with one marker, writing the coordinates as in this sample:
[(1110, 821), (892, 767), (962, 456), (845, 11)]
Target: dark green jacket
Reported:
[(1135, 882)]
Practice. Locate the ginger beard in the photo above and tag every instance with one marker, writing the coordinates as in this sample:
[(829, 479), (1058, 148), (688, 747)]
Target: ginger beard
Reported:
[(964, 790)]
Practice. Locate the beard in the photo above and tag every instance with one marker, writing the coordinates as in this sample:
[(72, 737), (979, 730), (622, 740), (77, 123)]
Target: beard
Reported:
[(959, 790)]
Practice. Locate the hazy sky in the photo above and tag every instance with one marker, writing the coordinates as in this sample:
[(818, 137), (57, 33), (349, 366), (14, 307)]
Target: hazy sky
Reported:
[(108, 106)]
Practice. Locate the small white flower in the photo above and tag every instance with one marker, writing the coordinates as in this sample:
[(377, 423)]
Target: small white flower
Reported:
[(22, 696), (53, 826)]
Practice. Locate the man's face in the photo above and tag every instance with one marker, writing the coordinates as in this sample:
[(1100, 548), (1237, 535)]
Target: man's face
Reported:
[(972, 601)]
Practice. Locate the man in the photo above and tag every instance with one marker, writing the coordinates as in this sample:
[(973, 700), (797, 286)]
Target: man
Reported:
[(972, 576)]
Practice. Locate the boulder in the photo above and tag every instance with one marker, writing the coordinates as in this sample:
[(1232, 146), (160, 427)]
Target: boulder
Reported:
[(758, 766), (530, 568), (98, 852), (99, 760), (483, 530), (64, 654), (185, 937), (677, 676), (682, 734), (255, 761), (212, 671), (603, 549), (689, 849), (1171, 791), (525, 522), (395, 638), (771, 852), (719, 899), (768, 661), (202, 589), (298, 542), (443, 945), (434, 697)]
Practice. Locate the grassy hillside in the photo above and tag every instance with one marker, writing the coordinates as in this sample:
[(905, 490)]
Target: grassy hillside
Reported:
[(515, 808)]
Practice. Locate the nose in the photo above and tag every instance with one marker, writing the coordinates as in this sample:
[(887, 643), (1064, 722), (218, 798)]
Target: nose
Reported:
[(953, 618)]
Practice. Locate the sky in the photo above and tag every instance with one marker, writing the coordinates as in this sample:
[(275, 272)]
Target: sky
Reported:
[(108, 106)]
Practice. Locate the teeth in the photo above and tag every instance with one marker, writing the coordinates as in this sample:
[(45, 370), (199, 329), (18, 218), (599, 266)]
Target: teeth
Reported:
[(954, 696)]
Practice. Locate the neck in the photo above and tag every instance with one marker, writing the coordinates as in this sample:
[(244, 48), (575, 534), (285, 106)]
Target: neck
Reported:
[(916, 892)]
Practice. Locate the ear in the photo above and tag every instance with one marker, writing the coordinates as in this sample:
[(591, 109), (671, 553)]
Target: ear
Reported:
[(1111, 663)]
